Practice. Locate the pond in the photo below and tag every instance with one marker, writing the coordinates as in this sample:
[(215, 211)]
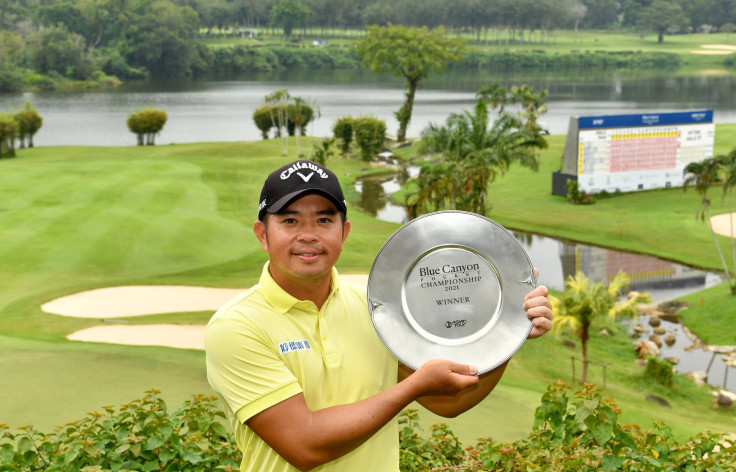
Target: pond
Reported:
[(221, 109), (557, 259)]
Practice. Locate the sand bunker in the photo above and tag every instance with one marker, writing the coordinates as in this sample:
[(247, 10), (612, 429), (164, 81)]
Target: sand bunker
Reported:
[(120, 302), (722, 224), (715, 49), (116, 302), (168, 335)]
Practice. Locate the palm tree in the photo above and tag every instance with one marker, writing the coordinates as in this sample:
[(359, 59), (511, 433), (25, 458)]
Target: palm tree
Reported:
[(481, 148), (728, 166), (584, 302), (703, 175)]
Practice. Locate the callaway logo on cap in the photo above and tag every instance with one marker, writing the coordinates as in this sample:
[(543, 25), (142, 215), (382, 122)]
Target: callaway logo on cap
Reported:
[(292, 180)]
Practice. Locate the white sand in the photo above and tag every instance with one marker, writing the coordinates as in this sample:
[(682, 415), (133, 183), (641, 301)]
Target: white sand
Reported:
[(120, 302), (116, 302), (169, 335), (722, 224), (715, 49)]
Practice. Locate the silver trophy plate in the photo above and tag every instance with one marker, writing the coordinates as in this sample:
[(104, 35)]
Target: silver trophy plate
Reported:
[(451, 285)]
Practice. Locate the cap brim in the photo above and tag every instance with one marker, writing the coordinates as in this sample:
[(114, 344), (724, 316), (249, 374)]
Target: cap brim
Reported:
[(284, 201)]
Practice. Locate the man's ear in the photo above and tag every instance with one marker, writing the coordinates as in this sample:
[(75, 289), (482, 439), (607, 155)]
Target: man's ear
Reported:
[(259, 228), (345, 230)]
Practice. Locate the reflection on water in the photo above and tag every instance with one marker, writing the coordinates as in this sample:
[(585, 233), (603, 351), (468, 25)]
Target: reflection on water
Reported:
[(557, 259), (692, 357)]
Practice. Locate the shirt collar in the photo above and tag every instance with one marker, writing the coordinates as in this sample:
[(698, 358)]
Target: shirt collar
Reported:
[(280, 299)]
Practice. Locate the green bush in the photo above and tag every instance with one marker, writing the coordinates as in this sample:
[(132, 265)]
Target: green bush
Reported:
[(147, 124), (8, 133), (140, 435), (370, 134), (10, 80), (297, 116), (343, 130), (577, 432), (580, 434), (29, 122), (659, 370)]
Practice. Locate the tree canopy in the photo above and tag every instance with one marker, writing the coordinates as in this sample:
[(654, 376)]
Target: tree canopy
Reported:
[(411, 53)]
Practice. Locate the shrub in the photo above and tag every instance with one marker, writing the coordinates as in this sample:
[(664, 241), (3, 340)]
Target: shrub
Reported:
[(10, 80), (29, 122), (660, 370), (8, 133), (140, 435), (147, 124), (343, 130), (370, 134), (263, 120), (575, 195)]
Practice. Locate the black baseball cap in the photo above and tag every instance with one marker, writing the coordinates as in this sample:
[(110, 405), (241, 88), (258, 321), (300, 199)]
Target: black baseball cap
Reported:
[(288, 182)]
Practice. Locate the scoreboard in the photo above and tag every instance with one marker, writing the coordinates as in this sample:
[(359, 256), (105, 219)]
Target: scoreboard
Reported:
[(636, 152)]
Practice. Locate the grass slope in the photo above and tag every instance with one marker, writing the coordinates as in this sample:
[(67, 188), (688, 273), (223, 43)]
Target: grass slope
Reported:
[(75, 218)]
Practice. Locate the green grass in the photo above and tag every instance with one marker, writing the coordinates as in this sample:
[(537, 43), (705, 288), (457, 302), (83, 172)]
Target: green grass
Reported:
[(76, 218), (563, 41)]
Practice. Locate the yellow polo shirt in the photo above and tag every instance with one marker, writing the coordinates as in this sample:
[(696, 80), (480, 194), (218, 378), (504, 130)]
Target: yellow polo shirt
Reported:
[(265, 346)]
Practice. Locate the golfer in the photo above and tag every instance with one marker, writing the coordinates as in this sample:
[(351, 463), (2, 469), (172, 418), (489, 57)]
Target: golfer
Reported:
[(302, 375)]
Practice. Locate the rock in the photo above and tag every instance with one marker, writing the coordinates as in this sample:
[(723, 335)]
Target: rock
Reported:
[(604, 333), (659, 400), (672, 307), (645, 308), (569, 343), (646, 348), (653, 349), (672, 360), (655, 321), (660, 330), (699, 377), (656, 340), (721, 400), (640, 329), (669, 339)]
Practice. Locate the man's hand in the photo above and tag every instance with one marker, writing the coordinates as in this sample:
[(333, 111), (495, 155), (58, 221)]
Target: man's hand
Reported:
[(539, 310)]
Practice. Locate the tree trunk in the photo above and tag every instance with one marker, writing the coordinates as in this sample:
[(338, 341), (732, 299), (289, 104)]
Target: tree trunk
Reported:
[(584, 345), (404, 114), (660, 37)]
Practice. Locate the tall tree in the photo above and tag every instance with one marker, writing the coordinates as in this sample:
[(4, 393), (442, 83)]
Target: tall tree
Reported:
[(289, 14), (662, 16), (728, 165), (584, 302), (411, 53), (702, 175)]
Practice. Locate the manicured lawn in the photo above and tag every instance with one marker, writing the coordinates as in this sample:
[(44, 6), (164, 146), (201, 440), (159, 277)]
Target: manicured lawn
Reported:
[(76, 218)]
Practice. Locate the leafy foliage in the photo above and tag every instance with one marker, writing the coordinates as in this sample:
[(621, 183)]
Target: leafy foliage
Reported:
[(702, 175), (146, 124), (579, 433), (140, 435), (370, 134), (411, 53), (343, 130), (474, 148), (583, 302), (29, 122)]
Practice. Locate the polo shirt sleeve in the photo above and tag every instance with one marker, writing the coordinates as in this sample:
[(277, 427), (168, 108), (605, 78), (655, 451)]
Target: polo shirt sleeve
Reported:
[(244, 366)]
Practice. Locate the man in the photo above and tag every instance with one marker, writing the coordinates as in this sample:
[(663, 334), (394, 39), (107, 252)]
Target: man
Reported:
[(302, 374)]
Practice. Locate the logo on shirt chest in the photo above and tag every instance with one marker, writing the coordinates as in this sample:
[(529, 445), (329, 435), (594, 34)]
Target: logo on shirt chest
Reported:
[(291, 346)]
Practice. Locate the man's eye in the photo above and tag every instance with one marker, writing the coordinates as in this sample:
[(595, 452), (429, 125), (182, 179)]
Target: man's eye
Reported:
[(325, 220)]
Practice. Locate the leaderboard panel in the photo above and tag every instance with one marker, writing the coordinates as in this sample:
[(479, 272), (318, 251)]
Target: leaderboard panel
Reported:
[(639, 152)]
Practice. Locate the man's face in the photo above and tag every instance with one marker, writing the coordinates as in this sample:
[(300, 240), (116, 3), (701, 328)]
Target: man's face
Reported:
[(304, 241)]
